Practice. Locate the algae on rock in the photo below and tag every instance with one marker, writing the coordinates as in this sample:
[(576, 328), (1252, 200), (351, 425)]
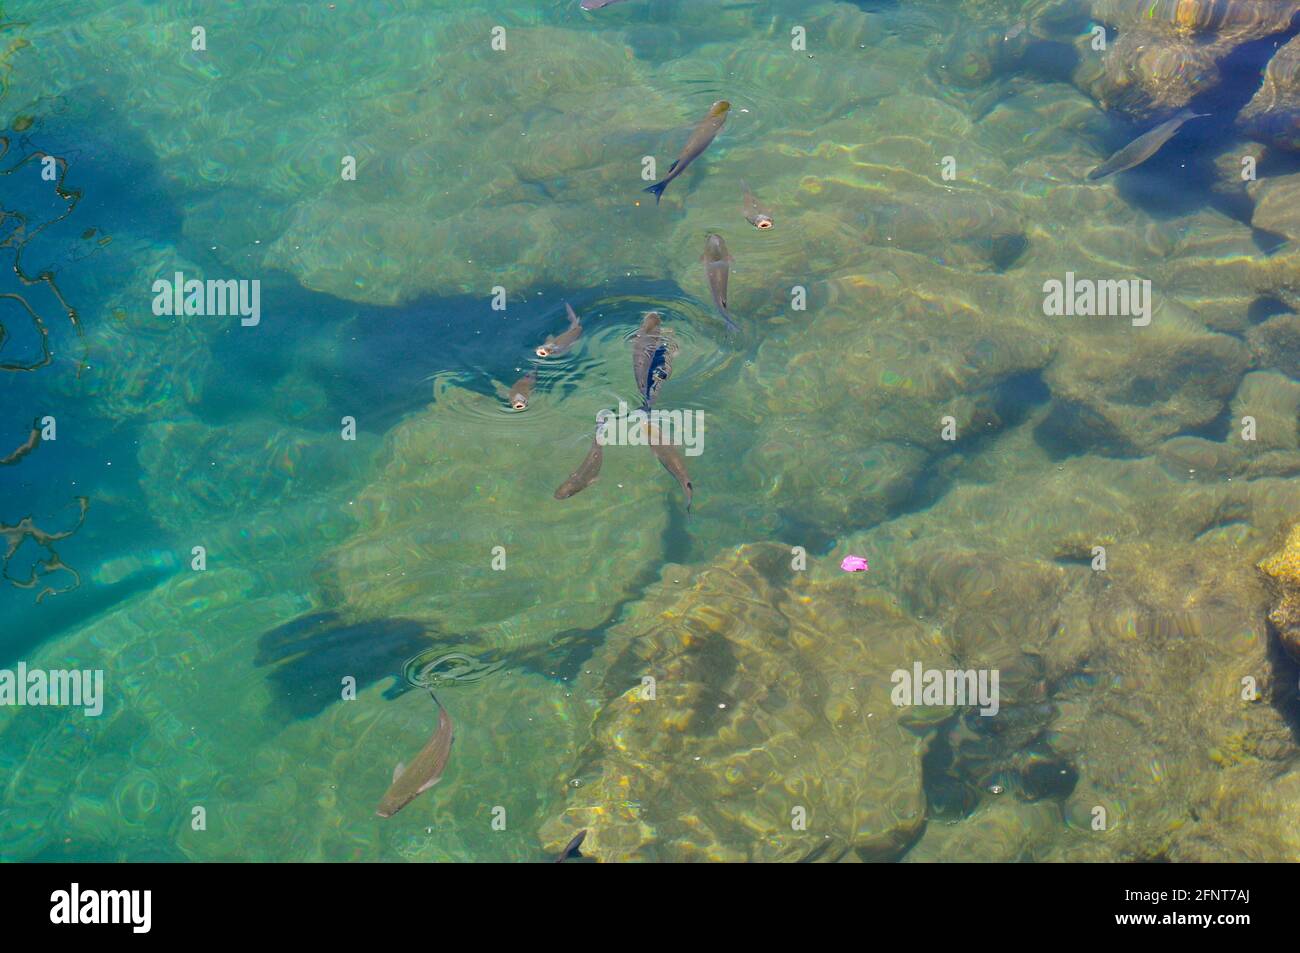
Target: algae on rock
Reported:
[(771, 704)]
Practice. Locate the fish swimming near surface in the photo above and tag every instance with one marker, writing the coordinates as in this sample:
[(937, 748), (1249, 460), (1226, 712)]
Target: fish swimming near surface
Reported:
[(652, 358), (756, 214), (704, 133), (644, 342), (598, 4), (424, 771), (672, 460), (558, 345), (717, 265), (661, 368), (520, 391), (571, 849), (1144, 146), (589, 469)]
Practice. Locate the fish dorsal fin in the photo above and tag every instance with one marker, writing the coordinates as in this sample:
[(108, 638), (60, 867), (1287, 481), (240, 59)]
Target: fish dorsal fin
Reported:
[(397, 771)]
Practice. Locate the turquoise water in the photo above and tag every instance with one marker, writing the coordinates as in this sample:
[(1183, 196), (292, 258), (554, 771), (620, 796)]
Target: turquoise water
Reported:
[(682, 684)]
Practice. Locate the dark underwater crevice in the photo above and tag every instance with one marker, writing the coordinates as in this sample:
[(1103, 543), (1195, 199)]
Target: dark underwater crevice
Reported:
[(1182, 177), (1284, 695)]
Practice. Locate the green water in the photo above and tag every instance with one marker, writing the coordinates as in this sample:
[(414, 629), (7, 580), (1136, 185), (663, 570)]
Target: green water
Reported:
[(896, 391)]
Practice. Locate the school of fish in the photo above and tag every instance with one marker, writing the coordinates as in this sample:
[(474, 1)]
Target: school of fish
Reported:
[(653, 350)]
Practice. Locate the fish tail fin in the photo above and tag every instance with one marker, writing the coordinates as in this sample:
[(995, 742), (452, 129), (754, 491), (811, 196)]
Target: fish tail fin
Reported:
[(657, 190)]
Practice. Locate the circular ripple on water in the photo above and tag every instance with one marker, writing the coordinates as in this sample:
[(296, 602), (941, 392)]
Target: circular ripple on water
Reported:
[(703, 348), (436, 667), (137, 799)]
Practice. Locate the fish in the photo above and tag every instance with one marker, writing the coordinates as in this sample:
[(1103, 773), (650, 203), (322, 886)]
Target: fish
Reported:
[(598, 4), (571, 849), (521, 390), (717, 265), (707, 128), (558, 345), (672, 461), (661, 368), (589, 469), (757, 215), (424, 771), (652, 358), (1144, 146)]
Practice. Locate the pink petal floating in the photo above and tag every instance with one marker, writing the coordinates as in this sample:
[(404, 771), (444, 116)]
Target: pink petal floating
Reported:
[(854, 564)]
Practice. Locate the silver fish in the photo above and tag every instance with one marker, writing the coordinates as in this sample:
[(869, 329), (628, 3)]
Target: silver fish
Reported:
[(652, 358), (717, 265), (672, 461), (756, 214), (598, 4), (1144, 146), (520, 391), (589, 469), (424, 771), (558, 345), (707, 128)]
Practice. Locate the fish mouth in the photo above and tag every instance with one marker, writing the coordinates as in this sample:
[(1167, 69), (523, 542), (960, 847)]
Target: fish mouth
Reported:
[(519, 404), (543, 351), (764, 223)]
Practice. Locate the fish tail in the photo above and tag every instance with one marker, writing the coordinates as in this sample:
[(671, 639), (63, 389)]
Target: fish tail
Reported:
[(657, 189)]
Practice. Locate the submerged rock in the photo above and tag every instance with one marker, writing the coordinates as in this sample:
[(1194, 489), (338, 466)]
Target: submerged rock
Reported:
[(1272, 402), (1168, 51), (972, 57), (1283, 570), (771, 702), (1145, 75), (1277, 205), (1124, 393), (1273, 115), (505, 560)]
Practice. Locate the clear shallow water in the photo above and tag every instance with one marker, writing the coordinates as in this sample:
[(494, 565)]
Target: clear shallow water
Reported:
[(330, 559)]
